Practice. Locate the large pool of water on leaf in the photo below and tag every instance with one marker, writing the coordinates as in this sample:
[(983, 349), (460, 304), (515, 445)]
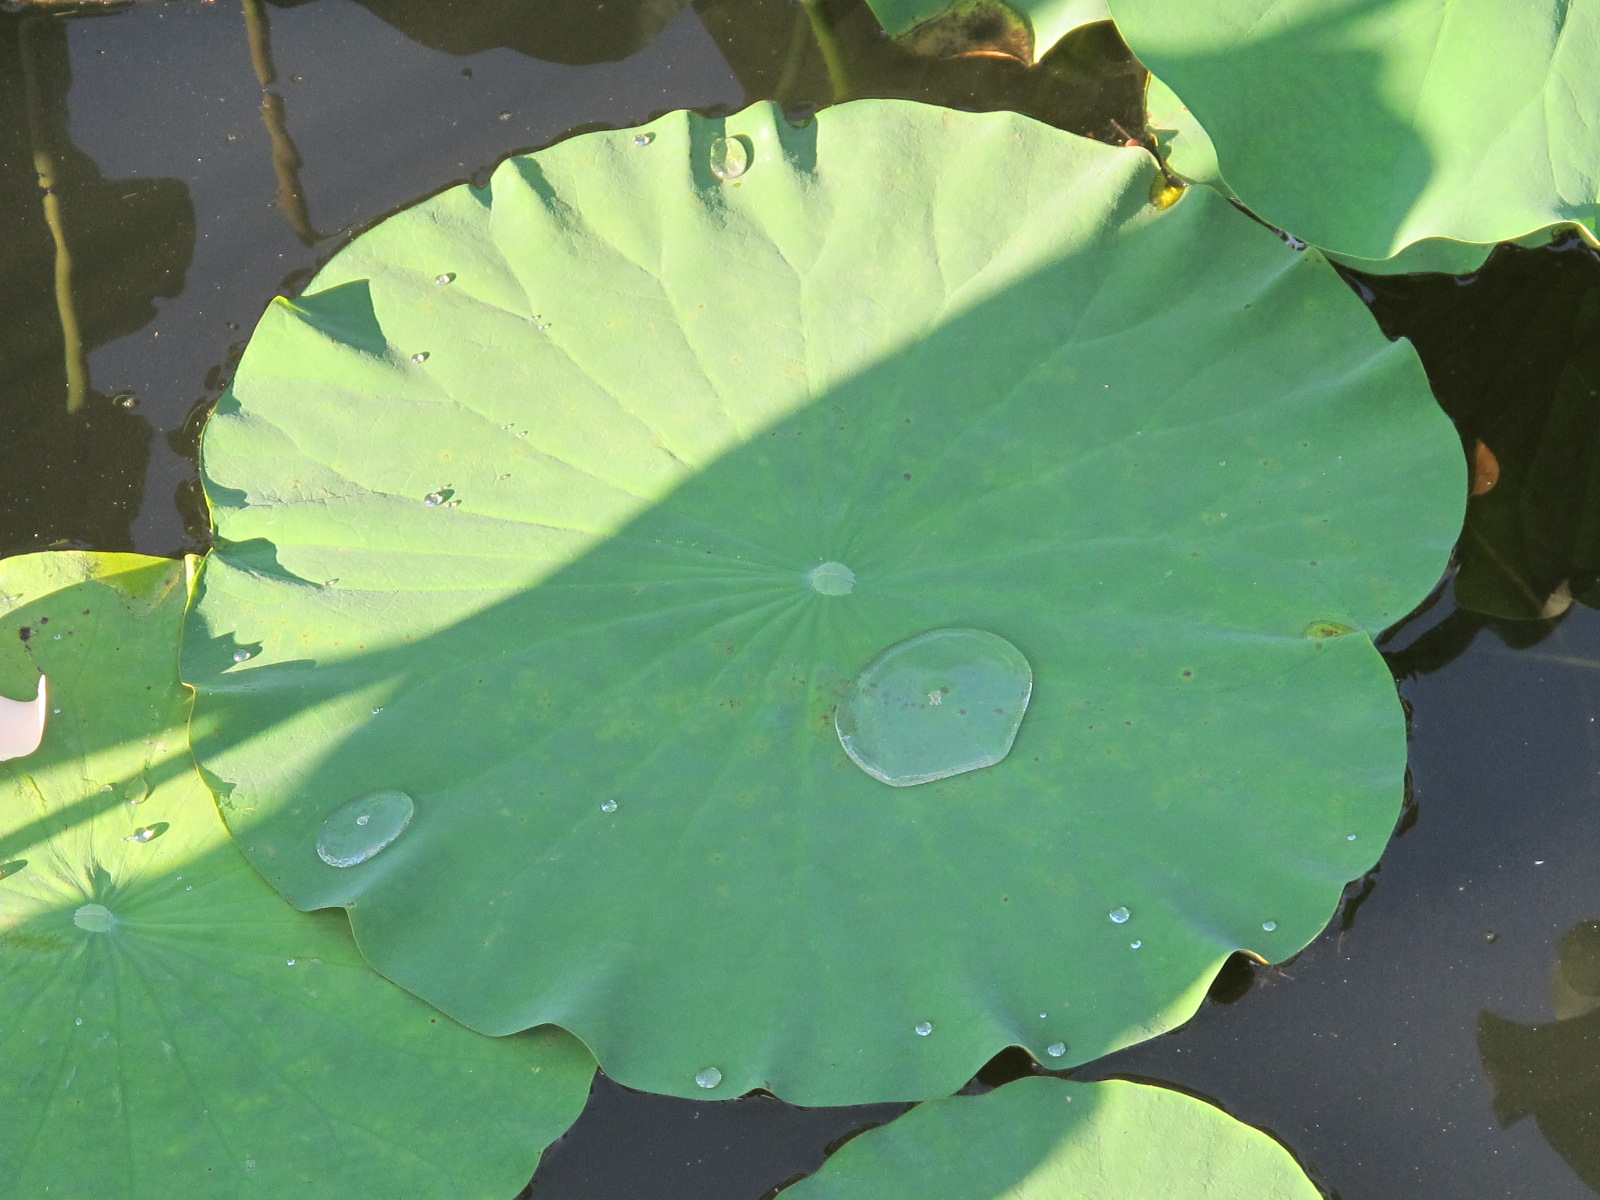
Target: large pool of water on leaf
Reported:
[(209, 155)]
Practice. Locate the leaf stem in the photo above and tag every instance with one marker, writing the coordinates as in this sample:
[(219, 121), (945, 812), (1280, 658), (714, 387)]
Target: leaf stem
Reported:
[(44, 164), (828, 43)]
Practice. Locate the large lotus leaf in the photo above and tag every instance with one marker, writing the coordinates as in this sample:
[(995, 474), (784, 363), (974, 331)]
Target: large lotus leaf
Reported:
[(1036, 24), (1045, 1139), (518, 513), (1364, 126), (171, 1027)]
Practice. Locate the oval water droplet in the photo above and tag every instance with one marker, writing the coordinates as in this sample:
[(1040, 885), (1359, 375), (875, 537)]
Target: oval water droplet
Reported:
[(1056, 1049), (434, 499), (445, 277), (1349, 837), (609, 806), (1269, 926), (1119, 915), (643, 139), (890, 730), (730, 157), (925, 1028), (420, 357), (147, 833), (362, 828), (137, 791), (96, 918), (708, 1077), (241, 656), (831, 579)]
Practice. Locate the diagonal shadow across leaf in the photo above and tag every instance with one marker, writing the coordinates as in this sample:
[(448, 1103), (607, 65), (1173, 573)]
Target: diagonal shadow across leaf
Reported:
[(1166, 458)]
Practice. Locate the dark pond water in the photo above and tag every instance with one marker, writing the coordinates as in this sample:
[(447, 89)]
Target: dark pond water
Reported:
[(1436, 1041)]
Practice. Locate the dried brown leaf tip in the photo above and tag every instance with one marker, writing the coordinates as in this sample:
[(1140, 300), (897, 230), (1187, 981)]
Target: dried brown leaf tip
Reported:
[(1485, 468)]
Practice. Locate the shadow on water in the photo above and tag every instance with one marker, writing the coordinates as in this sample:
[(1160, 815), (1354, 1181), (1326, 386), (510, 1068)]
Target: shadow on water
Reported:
[(1551, 1071), (85, 258), (803, 56), (1513, 355), (574, 32)]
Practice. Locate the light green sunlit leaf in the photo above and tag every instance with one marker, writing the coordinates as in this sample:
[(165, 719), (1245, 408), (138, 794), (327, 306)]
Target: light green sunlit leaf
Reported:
[(1367, 126), (1044, 1139), (572, 507), (171, 1027)]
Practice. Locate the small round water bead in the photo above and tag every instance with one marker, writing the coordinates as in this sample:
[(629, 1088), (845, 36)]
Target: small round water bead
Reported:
[(364, 827), (831, 579), (730, 157), (942, 703), (96, 918)]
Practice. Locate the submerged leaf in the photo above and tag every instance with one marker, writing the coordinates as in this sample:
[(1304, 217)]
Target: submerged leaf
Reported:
[(173, 1028), (718, 444), (1045, 1139), (1021, 29)]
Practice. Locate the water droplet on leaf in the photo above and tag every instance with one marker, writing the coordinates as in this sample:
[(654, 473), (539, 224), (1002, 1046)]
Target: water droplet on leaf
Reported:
[(831, 579), (447, 277), (708, 1077), (1269, 926), (643, 139), (434, 499), (609, 806), (96, 918), (730, 157), (420, 357), (924, 1029), (147, 833), (1120, 915), (241, 656), (890, 730), (1056, 1049), (362, 828)]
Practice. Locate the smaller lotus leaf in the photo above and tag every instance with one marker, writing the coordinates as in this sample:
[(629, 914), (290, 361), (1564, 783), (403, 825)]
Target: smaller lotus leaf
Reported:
[(576, 508), (1364, 126), (172, 1028), (1026, 29), (1045, 1139)]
